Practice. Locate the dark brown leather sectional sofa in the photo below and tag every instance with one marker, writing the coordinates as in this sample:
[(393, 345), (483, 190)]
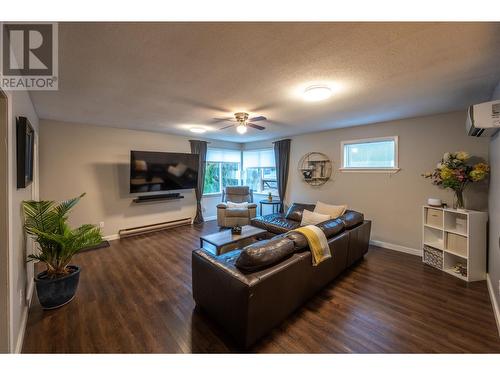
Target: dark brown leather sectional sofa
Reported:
[(248, 302)]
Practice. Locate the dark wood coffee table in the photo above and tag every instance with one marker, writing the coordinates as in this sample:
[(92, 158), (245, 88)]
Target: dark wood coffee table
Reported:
[(225, 241)]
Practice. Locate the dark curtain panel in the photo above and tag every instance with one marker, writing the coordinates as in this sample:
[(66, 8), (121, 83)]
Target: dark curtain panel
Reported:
[(282, 157), (199, 148)]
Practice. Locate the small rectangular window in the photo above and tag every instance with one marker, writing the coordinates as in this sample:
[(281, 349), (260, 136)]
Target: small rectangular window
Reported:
[(376, 154)]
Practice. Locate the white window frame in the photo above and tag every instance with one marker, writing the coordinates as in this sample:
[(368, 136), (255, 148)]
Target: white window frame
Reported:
[(394, 169)]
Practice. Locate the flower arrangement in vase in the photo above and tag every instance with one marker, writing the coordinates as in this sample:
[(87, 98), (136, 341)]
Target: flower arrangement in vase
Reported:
[(456, 173)]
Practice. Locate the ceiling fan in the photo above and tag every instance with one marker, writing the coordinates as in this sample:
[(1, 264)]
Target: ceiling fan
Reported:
[(242, 122)]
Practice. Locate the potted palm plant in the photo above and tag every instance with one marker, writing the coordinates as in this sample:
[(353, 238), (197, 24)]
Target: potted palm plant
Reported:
[(46, 222)]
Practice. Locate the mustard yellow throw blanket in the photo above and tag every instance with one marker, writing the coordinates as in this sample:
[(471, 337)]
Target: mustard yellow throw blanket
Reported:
[(317, 242)]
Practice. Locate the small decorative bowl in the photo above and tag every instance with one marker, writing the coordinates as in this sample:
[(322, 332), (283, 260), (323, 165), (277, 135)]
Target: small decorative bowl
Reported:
[(434, 202), (236, 230)]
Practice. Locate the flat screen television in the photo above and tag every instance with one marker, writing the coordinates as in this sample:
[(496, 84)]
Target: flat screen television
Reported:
[(162, 171)]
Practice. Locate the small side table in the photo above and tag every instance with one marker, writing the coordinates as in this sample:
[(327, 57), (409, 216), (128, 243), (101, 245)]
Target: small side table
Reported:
[(275, 203)]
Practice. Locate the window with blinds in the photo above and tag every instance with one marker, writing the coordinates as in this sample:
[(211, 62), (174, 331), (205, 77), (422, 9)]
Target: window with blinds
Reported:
[(223, 169), (259, 171), (254, 168)]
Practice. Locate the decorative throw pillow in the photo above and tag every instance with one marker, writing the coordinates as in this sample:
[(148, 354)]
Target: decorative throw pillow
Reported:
[(237, 205), (330, 209), (309, 217), (295, 211), (264, 254)]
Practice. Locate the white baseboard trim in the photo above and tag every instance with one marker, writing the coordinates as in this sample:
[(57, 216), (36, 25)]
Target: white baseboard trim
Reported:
[(112, 237), (391, 246), (116, 236), (24, 319), (29, 294), (494, 301)]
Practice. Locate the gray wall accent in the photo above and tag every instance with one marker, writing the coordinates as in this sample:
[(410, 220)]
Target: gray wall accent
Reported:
[(494, 209), (494, 215), (496, 93)]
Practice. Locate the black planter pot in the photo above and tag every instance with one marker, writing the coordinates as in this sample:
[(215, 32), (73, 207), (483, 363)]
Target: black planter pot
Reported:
[(54, 293)]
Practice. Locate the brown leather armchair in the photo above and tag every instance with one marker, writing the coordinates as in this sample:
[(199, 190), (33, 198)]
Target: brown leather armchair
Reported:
[(229, 216)]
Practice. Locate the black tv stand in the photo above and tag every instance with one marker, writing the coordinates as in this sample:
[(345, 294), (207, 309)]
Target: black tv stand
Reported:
[(157, 197)]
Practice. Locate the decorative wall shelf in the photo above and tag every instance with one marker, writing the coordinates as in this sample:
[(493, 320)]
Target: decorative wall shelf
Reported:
[(315, 168)]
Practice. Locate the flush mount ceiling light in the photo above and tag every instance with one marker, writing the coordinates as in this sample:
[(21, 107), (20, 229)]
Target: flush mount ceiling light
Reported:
[(241, 128), (197, 130), (316, 93)]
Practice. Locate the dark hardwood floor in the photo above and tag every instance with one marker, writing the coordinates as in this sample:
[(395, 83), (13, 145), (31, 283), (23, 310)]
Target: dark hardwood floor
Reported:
[(135, 297)]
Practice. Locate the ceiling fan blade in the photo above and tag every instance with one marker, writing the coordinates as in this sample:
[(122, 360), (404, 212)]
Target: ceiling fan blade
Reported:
[(258, 127), (222, 119), (225, 127), (258, 118)]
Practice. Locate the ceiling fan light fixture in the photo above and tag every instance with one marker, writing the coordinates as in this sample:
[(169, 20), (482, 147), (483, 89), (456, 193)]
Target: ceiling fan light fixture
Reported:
[(241, 128), (197, 130), (317, 93)]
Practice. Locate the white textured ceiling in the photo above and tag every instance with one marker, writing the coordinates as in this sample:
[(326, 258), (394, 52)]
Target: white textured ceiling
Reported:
[(166, 76)]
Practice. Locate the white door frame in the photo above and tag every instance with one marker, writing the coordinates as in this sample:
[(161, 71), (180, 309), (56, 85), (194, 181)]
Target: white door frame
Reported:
[(4, 226)]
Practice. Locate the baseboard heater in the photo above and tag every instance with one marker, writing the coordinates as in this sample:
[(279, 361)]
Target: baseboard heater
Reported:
[(153, 227)]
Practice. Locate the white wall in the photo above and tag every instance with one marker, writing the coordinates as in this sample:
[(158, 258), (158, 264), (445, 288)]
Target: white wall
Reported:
[(494, 213), (21, 273), (76, 158), (394, 201)]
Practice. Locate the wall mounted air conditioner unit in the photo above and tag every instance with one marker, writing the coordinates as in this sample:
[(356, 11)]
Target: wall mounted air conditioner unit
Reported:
[(483, 120)]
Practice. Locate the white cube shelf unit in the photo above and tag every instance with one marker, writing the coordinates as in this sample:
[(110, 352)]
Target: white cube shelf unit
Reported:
[(454, 241)]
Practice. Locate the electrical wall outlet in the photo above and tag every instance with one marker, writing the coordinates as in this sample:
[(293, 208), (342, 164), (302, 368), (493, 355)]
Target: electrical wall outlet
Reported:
[(101, 224)]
